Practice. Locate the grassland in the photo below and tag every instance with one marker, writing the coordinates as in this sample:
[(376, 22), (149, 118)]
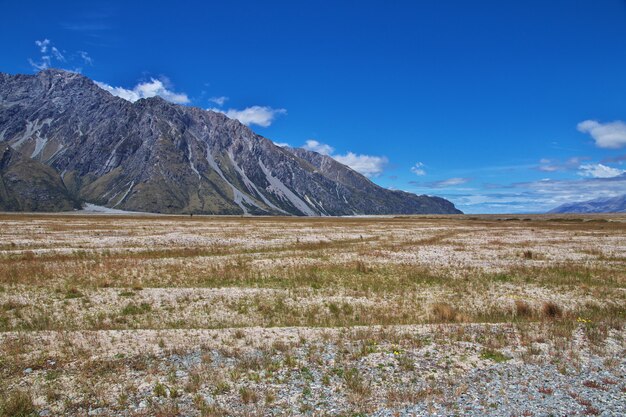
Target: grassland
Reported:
[(172, 315)]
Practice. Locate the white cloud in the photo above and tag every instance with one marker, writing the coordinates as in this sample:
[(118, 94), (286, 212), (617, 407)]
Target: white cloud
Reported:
[(538, 196), (418, 169), (282, 144), (148, 89), (219, 100), (315, 146), (256, 115), (607, 135), (43, 45), (599, 171), (368, 165)]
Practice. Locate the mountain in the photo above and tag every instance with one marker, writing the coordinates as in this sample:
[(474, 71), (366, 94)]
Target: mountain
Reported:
[(603, 205), (29, 185), (155, 156)]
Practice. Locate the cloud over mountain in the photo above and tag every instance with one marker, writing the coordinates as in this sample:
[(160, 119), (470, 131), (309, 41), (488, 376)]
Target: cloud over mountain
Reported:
[(147, 89)]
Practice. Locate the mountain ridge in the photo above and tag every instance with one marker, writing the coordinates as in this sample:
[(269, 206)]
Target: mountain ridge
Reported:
[(599, 205), (155, 156)]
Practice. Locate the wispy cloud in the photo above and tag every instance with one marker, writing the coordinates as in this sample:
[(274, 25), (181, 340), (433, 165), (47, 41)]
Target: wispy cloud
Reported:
[(219, 100), (551, 165), (45, 59), (418, 169), (94, 24), (152, 88), (85, 57), (51, 56), (610, 135), (87, 26), (255, 115), (450, 182)]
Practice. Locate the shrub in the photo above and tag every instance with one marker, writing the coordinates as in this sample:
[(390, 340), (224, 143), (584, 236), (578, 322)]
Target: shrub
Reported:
[(160, 390), (354, 382), (522, 309), (444, 312), (221, 387), (18, 404), (362, 268), (248, 396), (134, 309), (73, 293), (494, 355), (551, 310)]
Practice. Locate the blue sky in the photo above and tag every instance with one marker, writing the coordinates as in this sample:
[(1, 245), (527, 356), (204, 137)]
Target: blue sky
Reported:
[(500, 106)]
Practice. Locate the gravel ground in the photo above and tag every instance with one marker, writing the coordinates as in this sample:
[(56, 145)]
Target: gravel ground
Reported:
[(426, 371)]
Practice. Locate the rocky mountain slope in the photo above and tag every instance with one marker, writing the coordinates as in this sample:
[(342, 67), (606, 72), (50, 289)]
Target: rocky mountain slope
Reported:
[(155, 156), (603, 205), (29, 185)]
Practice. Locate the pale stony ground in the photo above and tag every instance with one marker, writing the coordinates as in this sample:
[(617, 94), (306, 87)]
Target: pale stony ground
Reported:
[(426, 315)]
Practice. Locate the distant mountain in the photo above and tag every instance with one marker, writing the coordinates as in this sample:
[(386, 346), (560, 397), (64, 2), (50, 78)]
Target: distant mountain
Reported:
[(155, 156), (603, 205)]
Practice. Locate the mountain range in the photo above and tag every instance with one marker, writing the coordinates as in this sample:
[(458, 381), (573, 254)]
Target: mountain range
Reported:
[(64, 141), (601, 205)]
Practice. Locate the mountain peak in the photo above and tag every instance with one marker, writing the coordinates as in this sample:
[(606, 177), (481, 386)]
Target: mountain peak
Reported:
[(156, 156)]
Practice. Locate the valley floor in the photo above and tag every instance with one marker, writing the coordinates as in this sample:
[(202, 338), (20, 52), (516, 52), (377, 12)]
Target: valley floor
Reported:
[(428, 315)]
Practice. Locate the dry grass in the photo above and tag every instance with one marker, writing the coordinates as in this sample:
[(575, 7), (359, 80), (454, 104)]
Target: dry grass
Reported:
[(87, 301), (551, 310)]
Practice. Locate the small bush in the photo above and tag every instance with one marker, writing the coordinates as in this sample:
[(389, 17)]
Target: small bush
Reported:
[(280, 346), (355, 382), (494, 355), (160, 390), (551, 310), (248, 396), (18, 404), (362, 268), (546, 390), (73, 293), (134, 309), (522, 309), (444, 312), (221, 387), (593, 384), (528, 254)]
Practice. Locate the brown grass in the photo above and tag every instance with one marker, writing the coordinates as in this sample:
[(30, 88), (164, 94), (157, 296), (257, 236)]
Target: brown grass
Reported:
[(522, 309), (551, 310), (444, 312), (100, 284)]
